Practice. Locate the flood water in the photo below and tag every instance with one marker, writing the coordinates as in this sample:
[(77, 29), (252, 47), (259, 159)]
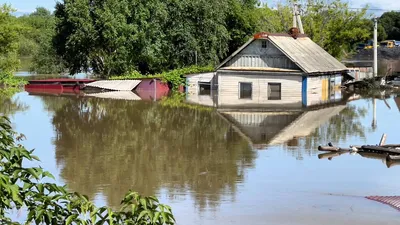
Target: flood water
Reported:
[(216, 167)]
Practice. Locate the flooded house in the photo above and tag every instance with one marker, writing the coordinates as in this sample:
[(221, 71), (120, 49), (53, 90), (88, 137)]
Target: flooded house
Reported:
[(272, 69)]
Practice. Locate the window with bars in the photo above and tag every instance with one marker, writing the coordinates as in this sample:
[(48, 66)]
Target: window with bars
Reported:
[(245, 90), (274, 91)]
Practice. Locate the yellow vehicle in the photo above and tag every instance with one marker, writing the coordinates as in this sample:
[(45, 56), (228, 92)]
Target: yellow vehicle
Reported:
[(388, 43), (370, 45)]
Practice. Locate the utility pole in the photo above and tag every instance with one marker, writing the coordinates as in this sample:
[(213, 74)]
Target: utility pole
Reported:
[(375, 47)]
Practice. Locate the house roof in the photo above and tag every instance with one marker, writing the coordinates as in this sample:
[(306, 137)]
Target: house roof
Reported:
[(305, 53)]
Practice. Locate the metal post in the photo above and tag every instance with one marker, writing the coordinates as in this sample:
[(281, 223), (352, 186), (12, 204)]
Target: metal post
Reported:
[(294, 15), (375, 47)]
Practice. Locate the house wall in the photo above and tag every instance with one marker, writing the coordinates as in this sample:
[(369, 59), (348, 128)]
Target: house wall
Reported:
[(360, 73), (228, 90), (256, 56), (192, 81), (323, 89)]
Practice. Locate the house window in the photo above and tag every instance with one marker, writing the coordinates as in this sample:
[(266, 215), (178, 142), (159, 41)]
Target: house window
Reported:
[(274, 91), (264, 44), (204, 88), (245, 90)]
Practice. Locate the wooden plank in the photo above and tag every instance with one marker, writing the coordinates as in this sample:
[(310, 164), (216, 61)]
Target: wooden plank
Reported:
[(383, 140)]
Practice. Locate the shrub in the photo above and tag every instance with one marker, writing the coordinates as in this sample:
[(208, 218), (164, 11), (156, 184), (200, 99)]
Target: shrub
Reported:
[(175, 77)]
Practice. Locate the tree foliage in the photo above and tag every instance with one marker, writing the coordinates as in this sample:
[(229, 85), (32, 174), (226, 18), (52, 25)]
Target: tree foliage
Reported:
[(390, 21), (9, 33), (48, 203), (36, 41), (117, 37), (333, 25)]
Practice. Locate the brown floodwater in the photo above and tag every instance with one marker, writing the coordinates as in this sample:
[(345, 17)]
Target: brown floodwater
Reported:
[(217, 167)]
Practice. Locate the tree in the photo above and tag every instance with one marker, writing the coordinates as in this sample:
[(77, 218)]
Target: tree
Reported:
[(48, 203), (241, 22), (116, 37), (334, 26), (8, 41), (36, 41), (391, 23)]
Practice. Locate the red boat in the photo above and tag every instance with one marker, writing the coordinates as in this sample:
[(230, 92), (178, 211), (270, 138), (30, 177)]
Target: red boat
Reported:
[(56, 85)]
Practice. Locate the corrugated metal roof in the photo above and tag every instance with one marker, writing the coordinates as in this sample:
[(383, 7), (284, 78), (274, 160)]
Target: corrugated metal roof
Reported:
[(305, 53), (309, 56), (125, 95), (115, 85)]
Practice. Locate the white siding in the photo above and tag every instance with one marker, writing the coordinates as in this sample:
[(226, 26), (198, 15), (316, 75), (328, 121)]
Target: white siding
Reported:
[(228, 89), (256, 56), (200, 99), (192, 82)]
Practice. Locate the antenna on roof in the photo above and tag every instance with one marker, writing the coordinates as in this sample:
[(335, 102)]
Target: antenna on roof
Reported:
[(297, 18), (294, 15)]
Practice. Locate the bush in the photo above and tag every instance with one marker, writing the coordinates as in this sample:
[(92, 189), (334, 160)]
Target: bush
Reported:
[(9, 80), (175, 77), (48, 203)]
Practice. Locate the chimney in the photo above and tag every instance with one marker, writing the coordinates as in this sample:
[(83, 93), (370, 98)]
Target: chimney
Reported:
[(294, 32)]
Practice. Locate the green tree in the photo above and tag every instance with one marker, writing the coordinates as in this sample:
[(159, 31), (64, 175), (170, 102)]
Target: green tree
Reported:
[(334, 26), (241, 22), (36, 41), (9, 33), (391, 23), (117, 37)]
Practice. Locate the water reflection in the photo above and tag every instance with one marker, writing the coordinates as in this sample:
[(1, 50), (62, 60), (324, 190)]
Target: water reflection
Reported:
[(204, 159), (10, 105), (110, 146)]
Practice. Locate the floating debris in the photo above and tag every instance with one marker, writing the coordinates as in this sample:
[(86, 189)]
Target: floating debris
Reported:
[(389, 153)]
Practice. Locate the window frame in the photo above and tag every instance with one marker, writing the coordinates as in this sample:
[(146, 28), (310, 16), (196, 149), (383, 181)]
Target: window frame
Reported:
[(264, 44), (200, 85), (240, 92), (269, 91)]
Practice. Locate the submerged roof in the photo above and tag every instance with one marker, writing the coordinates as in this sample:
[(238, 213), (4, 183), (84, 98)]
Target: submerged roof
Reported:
[(305, 53)]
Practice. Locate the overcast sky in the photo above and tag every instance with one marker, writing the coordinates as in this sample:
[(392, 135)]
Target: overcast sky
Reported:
[(27, 6)]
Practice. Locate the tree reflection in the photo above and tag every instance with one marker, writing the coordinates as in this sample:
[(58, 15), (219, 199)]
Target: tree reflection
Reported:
[(9, 103), (338, 129), (113, 146)]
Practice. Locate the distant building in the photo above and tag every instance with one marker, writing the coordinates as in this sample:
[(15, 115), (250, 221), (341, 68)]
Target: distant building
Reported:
[(274, 69)]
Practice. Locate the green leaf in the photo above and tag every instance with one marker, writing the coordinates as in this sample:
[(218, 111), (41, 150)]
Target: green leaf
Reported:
[(156, 217), (70, 219)]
